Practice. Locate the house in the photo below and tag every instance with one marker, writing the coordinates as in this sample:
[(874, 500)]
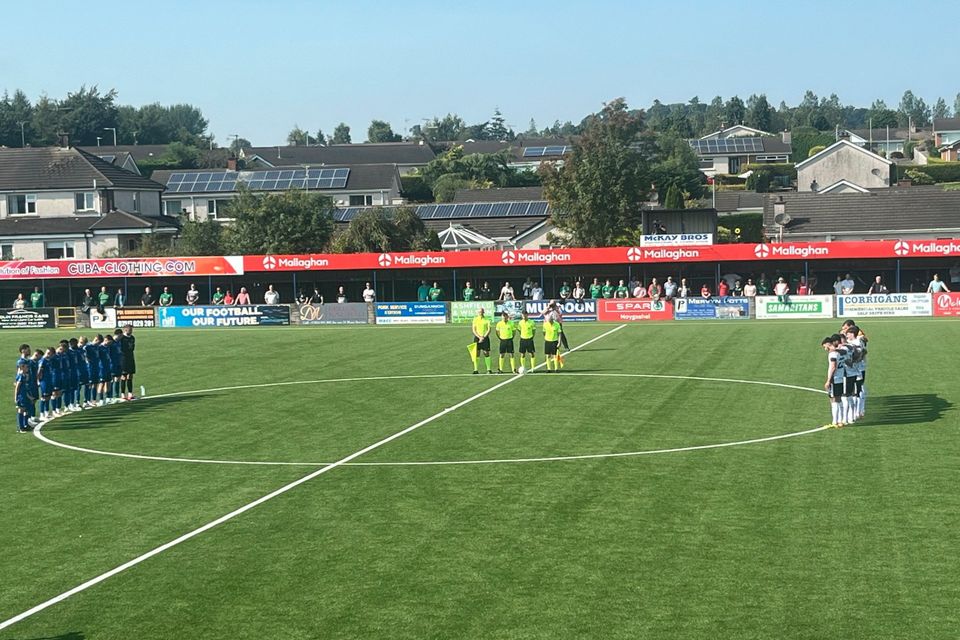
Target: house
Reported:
[(843, 167), (946, 135), (729, 150), (950, 152), (905, 213), (203, 194), (62, 202), (524, 154), (884, 141), (407, 156), (729, 202)]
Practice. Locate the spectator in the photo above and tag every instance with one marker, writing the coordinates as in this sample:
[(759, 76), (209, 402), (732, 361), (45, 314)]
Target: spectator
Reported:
[(146, 300), (848, 285), (342, 295), (369, 295), (423, 291), (88, 301), (436, 292), (485, 292), (781, 289), (36, 298), (654, 290), (595, 289), (607, 290), (803, 289), (119, 299), (683, 291), (639, 291), (723, 289), (20, 302), (103, 298), (737, 289), (838, 285), (228, 297), (763, 285), (527, 289), (537, 292), (193, 295), (878, 288), (669, 288), (271, 296), (243, 297), (468, 292), (937, 285), (731, 279), (579, 293), (750, 289), (565, 291), (317, 297), (217, 297), (622, 291), (705, 291), (506, 292), (301, 297)]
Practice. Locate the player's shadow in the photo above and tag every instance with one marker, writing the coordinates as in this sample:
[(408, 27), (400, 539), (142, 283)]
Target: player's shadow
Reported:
[(905, 409), (72, 635), (116, 415)]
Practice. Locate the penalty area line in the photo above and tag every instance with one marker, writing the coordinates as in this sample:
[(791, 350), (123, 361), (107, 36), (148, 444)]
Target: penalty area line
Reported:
[(273, 494)]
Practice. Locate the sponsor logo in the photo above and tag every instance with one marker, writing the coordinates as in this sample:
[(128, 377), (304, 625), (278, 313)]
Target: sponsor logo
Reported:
[(876, 299), (798, 252), (901, 248), (132, 267), (269, 263), (945, 247), (508, 257), (301, 263), (670, 254), (535, 257), (385, 260), (761, 250), (634, 254), (676, 239), (634, 305), (414, 260), (946, 301), (794, 307), (30, 270)]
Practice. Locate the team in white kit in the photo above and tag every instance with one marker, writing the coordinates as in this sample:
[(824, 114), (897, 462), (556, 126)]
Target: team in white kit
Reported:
[(846, 374)]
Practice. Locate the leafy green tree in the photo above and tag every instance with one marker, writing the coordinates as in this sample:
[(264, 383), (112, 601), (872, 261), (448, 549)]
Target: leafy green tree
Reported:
[(759, 114), (676, 165), (14, 111), (380, 230), (341, 134), (86, 113), (674, 198), (238, 144), (498, 129), (293, 221), (597, 194), (734, 111), (714, 116), (320, 138), (879, 116), (297, 136), (531, 131), (446, 186), (201, 239), (940, 109), (46, 122), (912, 109), (380, 131), (698, 116), (412, 233)]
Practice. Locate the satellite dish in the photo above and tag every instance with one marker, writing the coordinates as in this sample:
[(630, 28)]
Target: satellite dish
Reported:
[(782, 219)]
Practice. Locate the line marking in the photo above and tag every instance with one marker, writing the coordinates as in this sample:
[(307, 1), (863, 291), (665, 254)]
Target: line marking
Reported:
[(135, 456), (273, 494)]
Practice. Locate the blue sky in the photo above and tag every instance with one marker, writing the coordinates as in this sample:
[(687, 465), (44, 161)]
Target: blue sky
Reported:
[(258, 68)]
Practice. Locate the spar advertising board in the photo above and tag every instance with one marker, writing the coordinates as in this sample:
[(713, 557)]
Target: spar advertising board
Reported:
[(411, 312), (725, 308), (224, 316), (795, 307), (572, 311), (465, 311), (946, 304), (882, 306), (634, 310), (42, 318)]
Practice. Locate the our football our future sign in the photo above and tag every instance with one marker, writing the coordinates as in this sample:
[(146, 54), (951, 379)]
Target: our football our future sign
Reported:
[(726, 308), (794, 307), (584, 311), (224, 316), (634, 310), (880, 306)]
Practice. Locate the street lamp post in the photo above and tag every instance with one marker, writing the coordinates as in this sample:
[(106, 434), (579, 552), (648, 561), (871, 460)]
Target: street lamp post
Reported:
[(114, 129), (23, 138), (98, 140)]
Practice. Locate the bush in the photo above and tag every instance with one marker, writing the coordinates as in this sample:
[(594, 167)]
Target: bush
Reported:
[(943, 171), (918, 177), (750, 225), (908, 148), (415, 189), (815, 150)]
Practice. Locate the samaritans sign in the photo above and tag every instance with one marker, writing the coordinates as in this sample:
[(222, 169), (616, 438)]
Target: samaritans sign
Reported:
[(794, 307)]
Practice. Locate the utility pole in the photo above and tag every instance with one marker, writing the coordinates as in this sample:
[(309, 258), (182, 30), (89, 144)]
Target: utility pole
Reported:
[(114, 129), (23, 138)]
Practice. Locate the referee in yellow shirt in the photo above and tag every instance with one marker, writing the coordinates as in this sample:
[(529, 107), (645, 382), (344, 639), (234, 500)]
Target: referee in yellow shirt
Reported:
[(505, 331), (551, 339), (481, 336), (527, 328)]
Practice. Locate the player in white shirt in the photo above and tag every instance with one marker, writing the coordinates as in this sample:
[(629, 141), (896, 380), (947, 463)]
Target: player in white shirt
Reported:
[(369, 295), (856, 337), (835, 379)]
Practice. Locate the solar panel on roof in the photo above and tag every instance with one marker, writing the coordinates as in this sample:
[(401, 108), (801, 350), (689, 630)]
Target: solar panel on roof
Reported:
[(462, 210), (518, 208), (554, 151), (444, 210), (500, 209), (537, 209), (533, 152), (482, 209)]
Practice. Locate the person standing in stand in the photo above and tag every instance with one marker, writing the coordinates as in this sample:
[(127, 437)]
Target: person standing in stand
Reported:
[(146, 300), (166, 298), (468, 292), (878, 287), (271, 296), (119, 299), (36, 298)]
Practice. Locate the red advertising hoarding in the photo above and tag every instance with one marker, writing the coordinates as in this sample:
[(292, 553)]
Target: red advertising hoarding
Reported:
[(946, 304), (633, 310), (121, 267)]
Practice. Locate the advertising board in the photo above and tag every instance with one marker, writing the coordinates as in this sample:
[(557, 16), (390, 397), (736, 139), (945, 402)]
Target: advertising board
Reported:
[(726, 308), (584, 311), (105, 320), (884, 306), (224, 316), (344, 313), (634, 310), (461, 312), (411, 312), (513, 307), (795, 307), (946, 304), (41, 318)]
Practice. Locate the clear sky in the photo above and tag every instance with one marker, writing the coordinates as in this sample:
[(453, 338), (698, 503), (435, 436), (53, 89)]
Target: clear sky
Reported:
[(258, 68)]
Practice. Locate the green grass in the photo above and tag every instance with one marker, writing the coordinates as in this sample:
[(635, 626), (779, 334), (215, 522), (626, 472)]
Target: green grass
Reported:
[(841, 534)]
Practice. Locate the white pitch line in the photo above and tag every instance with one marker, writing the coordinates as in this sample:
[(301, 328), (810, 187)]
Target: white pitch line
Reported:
[(136, 456), (273, 494)]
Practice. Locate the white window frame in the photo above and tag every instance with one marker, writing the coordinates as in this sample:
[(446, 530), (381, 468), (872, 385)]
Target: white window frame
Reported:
[(67, 246), (212, 208), (87, 200), (6, 251), (29, 204), (367, 200), (166, 207)]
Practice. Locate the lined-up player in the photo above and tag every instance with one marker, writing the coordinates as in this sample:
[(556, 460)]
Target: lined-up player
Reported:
[(834, 383)]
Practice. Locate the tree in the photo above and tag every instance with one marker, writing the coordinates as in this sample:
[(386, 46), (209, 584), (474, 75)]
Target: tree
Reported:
[(297, 136), (412, 233), (879, 116), (734, 111), (814, 150), (380, 131), (200, 239), (956, 106), (940, 109), (531, 131), (674, 198), (598, 192), (498, 129), (320, 138), (676, 165), (912, 110), (87, 113), (446, 186), (714, 117), (291, 221), (759, 114), (378, 230), (341, 134), (238, 144)]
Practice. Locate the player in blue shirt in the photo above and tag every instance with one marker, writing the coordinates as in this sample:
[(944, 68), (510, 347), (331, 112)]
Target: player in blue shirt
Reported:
[(34, 371), (22, 398), (84, 370), (92, 349), (45, 376), (59, 370), (106, 369), (69, 373)]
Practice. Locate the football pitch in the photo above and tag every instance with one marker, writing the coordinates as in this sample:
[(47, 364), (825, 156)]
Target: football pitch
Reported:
[(358, 482)]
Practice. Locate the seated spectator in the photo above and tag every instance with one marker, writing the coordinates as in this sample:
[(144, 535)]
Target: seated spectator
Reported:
[(669, 288), (640, 291), (243, 297), (654, 290), (781, 289), (228, 297), (750, 289), (723, 289), (705, 291)]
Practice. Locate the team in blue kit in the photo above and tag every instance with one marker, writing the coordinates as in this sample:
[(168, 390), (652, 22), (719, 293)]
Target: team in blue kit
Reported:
[(77, 374)]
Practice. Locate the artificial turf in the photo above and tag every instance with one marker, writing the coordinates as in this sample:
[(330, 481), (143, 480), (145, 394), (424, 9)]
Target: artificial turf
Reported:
[(850, 533)]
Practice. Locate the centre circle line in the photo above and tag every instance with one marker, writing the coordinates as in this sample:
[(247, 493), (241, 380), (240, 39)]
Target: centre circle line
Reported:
[(423, 463)]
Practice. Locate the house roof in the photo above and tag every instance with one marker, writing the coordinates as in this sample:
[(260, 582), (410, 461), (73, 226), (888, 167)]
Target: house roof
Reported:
[(839, 145), (949, 145), (515, 148), (731, 201), (896, 134), (736, 127), (507, 194), (406, 153), (946, 124), (761, 145), (138, 151), (496, 228), (882, 210), (64, 225), (362, 177), (64, 168), (840, 185)]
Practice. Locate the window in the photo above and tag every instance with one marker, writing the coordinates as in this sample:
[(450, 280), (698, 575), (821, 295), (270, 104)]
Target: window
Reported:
[(133, 244), (173, 207), (6, 252), (22, 204), (361, 201), (57, 250), (706, 163), (85, 201), (218, 208), (136, 201)]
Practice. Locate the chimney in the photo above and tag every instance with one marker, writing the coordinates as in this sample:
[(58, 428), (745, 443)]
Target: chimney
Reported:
[(63, 140), (786, 137), (232, 164), (904, 183)]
